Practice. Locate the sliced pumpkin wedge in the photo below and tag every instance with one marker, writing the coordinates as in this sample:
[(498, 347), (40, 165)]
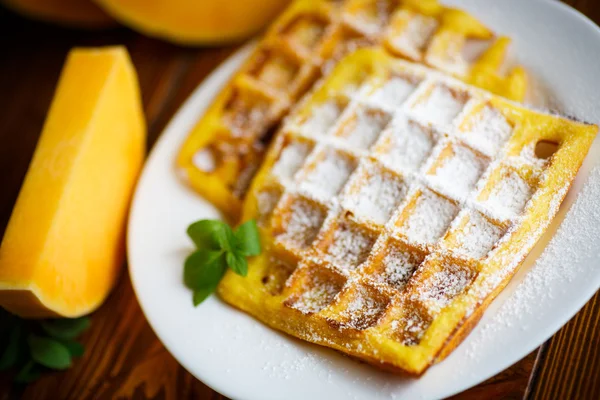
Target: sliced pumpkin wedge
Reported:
[(64, 243)]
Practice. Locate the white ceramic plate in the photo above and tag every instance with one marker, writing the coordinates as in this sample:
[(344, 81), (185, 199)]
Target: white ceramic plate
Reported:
[(240, 358)]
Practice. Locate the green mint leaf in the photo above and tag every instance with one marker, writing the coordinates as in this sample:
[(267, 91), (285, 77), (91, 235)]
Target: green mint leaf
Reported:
[(10, 354), (76, 349), (65, 329), (204, 269), (204, 233), (218, 247), (226, 238), (202, 294), (237, 262), (28, 373), (248, 238), (49, 352)]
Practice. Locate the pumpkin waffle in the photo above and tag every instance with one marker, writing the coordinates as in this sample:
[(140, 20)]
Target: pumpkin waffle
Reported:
[(226, 147), (392, 215)]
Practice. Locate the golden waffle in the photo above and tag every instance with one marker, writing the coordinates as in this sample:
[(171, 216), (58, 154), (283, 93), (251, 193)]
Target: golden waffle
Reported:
[(392, 214), (226, 147)]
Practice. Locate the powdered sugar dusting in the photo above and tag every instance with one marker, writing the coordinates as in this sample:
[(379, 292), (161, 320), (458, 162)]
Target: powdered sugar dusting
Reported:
[(399, 266), (452, 59), (245, 116), (204, 160), (430, 218), (290, 160), (350, 246), (322, 118), (442, 286), (459, 170), (510, 195), (378, 195), (266, 201), (328, 175), (415, 36), (439, 108), (364, 128), (565, 259), (438, 157), (405, 145), (488, 131), (369, 18), (393, 92), (303, 223), (319, 295), (411, 327), (363, 309), (478, 236), (528, 157)]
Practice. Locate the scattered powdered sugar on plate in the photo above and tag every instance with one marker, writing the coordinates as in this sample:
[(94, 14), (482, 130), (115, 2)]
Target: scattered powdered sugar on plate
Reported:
[(561, 261), (288, 369)]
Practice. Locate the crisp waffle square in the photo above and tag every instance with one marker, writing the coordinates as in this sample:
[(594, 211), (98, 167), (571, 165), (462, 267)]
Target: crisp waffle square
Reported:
[(392, 213), (226, 147)]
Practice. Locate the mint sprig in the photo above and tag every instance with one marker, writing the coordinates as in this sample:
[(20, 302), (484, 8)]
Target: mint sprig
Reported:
[(30, 347), (217, 248)]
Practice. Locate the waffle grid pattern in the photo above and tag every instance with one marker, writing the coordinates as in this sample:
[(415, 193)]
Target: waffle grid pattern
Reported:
[(229, 141), (391, 198), (363, 211)]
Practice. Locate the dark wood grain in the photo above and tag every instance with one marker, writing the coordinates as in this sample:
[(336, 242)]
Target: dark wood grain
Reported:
[(124, 358), (569, 365)]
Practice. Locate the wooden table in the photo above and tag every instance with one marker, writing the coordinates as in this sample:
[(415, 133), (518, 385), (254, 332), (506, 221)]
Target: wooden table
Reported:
[(124, 358)]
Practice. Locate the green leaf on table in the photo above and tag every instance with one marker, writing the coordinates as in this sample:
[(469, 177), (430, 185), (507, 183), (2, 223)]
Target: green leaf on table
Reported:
[(10, 354), (76, 349), (204, 233), (204, 269), (65, 329), (237, 262), (49, 352), (248, 239), (28, 373)]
